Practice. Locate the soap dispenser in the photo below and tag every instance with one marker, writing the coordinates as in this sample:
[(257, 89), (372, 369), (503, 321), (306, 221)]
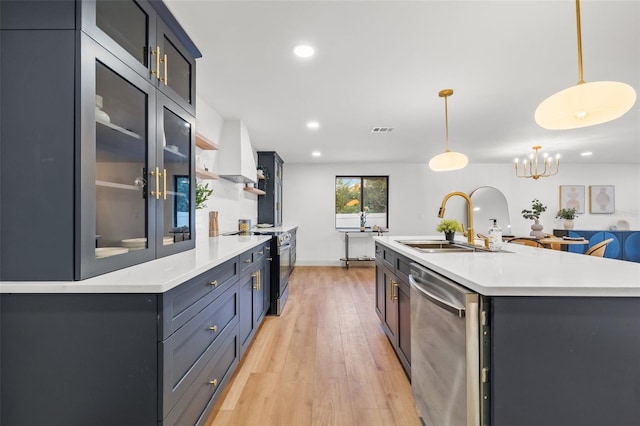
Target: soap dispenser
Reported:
[(495, 236)]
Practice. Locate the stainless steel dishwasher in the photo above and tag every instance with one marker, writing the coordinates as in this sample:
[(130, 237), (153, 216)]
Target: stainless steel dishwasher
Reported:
[(445, 350)]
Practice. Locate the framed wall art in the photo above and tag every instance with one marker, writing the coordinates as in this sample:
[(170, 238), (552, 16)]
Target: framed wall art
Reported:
[(572, 197), (602, 199)]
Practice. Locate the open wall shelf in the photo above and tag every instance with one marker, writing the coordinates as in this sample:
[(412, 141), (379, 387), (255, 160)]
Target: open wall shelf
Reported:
[(204, 143), (205, 174)]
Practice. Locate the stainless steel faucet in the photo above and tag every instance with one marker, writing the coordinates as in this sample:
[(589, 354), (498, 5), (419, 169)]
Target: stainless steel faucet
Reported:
[(470, 232)]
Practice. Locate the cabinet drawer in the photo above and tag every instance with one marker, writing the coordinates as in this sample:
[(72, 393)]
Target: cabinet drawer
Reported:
[(261, 252), (402, 267), (186, 352), (180, 304), (246, 260), (385, 255), (195, 406)]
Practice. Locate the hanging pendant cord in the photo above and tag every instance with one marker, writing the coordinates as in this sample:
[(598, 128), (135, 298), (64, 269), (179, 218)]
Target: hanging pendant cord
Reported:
[(580, 76), (446, 122)]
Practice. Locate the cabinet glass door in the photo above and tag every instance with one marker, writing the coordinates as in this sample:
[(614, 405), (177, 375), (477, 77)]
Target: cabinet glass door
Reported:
[(122, 144), (127, 24), (175, 173), (177, 69), (126, 28)]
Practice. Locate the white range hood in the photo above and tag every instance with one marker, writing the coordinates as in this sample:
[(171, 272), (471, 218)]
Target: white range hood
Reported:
[(236, 161)]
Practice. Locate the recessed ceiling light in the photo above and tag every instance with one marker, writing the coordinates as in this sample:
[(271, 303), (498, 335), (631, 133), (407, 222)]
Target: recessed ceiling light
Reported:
[(313, 124), (304, 51), (586, 154), (316, 153)]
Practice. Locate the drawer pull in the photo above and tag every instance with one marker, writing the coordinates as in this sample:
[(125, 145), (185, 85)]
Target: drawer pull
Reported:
[(269, 259), (247, 261), (214, 283), (213, 382), (261, 252), (214, 328)]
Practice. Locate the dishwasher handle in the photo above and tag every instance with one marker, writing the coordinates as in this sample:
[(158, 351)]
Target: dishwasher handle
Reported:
[(450, 306)]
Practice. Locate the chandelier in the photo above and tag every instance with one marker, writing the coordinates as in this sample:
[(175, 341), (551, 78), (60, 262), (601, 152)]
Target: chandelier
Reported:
[(550, 167)]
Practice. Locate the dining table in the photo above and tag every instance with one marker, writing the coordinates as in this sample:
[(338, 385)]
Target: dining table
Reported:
[(556, 243)]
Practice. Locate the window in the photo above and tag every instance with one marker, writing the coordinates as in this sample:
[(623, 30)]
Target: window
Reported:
[(181, 202), (362, 200)]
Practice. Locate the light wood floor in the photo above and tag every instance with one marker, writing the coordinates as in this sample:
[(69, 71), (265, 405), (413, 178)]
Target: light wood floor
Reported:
[(325, 361)]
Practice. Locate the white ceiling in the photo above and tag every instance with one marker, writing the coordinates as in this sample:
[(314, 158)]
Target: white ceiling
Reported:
[(382, 63)]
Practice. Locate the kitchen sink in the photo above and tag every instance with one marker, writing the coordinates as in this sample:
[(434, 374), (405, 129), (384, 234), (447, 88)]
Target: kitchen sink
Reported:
[(443, 246), (437, 246)]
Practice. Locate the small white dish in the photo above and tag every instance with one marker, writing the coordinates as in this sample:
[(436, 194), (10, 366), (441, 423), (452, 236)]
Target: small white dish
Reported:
[(173, 148), (264, 225)]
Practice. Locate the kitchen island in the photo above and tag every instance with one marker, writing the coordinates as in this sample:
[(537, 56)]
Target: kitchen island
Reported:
[(559, 332), (146, 345)]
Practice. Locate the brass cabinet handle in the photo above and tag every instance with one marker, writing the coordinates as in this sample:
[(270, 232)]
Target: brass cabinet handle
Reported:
[(214, 283), (156, 173), (247, 261), (213, 328), (269, 259), (261, 252), (213, 382), (392, 288), (166, 61), (156, 52), (259, 280), (164, 177)]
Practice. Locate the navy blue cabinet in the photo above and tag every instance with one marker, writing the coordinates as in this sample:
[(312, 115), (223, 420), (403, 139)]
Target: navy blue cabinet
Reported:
[(625, 244), (125, 359), (105, 142)]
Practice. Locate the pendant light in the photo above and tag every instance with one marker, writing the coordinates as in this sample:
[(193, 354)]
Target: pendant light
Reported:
[(585, 104), (448, 160)]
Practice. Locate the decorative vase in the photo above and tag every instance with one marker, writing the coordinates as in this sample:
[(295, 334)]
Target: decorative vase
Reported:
[(449, 236), (362, 229), (568, 224), (536, 230)]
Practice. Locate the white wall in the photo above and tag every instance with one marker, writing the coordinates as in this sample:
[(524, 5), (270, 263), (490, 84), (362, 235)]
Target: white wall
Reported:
[(228, 198), (415, 194)]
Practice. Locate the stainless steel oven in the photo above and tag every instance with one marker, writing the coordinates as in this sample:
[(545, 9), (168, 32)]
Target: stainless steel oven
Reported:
[(280, 269), (284, 266), (445, 350)]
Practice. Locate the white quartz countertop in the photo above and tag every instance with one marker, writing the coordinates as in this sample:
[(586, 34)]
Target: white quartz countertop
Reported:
[(156, 276), (527, 271)]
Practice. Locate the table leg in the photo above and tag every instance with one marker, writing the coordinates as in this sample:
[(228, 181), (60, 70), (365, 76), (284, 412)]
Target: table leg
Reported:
[(346, 249)]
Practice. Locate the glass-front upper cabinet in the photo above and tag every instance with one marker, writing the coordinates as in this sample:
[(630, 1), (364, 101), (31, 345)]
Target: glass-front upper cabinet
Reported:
[(137, 34), (174, 174), (117, 150)]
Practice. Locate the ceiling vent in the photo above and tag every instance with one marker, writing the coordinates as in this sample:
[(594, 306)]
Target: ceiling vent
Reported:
[(381, 129)]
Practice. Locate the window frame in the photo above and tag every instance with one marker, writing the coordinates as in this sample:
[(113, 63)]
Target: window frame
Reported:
[(362, 179)]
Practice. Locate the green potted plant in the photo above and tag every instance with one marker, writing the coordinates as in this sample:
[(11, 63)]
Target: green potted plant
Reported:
[(202, 194), (449, 227), (568, 215), (537, 208)]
